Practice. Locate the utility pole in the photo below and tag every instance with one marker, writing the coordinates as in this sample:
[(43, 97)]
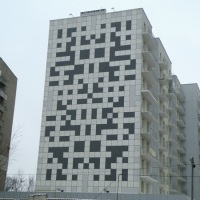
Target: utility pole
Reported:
[(192, 178), (118, 185)]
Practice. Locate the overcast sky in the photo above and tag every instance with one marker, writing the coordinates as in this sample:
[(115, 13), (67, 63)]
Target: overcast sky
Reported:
[(24, 26)]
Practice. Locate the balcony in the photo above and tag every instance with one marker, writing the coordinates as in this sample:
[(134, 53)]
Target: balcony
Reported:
[(172, 138), (180, 109), (2, 108), (147, 75), (173, 154), (149, 40), (146, 176), (3, 81), (163, 148), (147, 135), (163, 65), (182, 178), (147, 115), (180, 95), (3, 95), (163, 81), (148, 154), (147, 56), (181, 136), (163, 129), (173, 171), (181, 164), (172, 125), (163, 112), (148, 96), (181, 149), (181, 122), (173, 191), (163, 96)]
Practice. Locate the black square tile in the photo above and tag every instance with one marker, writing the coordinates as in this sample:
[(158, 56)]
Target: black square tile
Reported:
[(83, 28), (125, 137), (124, 160), (96, 177), (63, 117), (103, 26), (74, 177), (128, 37), (80, 81), (69, 102), (110, 89), (86, 166), (92, 37), (90, 96), (84, 54), (100, 79), (59, 45), (60, 92), (121, 88), (115, 115), (51, 139), (110, 99), (70, 92)]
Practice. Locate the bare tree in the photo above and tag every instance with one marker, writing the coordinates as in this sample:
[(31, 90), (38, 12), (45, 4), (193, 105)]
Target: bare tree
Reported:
[(9, 147), (30, 184), (9, 184), (20, 183)]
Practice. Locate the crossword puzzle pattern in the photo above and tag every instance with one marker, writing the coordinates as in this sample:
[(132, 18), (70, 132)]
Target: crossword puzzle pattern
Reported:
[(91, 104)]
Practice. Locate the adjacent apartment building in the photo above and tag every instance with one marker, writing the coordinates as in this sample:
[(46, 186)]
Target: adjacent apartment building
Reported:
[(114, 116), (8, 83)]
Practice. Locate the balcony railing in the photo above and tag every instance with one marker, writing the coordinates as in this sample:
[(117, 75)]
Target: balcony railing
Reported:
[(181, 149), (163, 112), (148, 57), (3, 95), (146, 93), (163, 65), (3, 80), (148, 76), (181, 121), (180, 109), (149, 40), (147, 115), (163, 81), (148, 154), (164, 129)]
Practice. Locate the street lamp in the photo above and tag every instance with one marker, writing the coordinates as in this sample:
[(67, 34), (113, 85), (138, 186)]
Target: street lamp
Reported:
[(192, 177), (118, 184)]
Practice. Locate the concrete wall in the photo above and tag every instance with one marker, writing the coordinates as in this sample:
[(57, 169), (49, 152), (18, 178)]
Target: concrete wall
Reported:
[(108, 196), (192, 94)]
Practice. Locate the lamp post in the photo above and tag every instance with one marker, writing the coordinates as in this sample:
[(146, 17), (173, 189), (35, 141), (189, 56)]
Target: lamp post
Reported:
[(192, 177), (118, 184)]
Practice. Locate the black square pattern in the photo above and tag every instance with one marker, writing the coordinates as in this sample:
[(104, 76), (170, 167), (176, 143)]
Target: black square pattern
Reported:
[(84, 54)]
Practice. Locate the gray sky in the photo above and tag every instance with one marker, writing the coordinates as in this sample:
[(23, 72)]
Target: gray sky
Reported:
[(24, 26)]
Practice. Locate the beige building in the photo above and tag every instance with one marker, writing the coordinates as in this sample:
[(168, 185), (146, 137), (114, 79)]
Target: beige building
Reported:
[(8, 83)]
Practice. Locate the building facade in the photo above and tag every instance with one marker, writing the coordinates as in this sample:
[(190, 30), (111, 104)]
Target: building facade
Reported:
[(8, 84), (113, 113), (192, 106)]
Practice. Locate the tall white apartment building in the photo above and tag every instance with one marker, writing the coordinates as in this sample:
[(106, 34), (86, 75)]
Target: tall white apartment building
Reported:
[(113, 115)]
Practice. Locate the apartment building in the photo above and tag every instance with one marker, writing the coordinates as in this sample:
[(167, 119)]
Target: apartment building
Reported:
[(8, 83), (192, 106), (113, 113)]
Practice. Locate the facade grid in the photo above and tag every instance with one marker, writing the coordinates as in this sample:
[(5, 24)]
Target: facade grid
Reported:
[(113, 113)]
